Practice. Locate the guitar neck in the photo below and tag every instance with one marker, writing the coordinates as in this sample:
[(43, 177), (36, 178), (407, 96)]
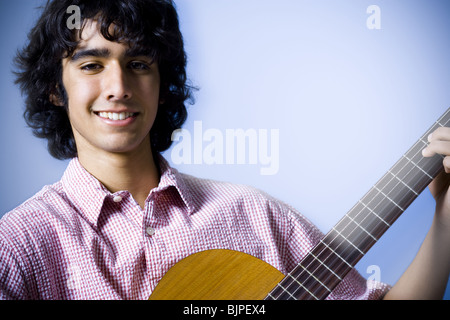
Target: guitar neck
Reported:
[(351, 238)]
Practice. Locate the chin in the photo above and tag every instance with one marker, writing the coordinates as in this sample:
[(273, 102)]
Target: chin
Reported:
[(126, 147)]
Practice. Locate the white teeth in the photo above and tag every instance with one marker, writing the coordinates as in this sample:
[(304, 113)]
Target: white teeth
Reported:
[(115, 116)]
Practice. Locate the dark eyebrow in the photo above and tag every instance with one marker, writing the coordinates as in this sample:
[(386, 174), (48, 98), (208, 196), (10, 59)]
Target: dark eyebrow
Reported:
[(99, 53), (139, 52), (105, 53)]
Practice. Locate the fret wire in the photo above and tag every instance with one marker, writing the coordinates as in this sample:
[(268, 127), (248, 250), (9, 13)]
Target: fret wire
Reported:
[(392, 184), (336, 254), (324, 277), (410, 178), (333, 259), (269, 295), (364, 229), (279, 293), (284, 289), (374, 213), (276, 293), (330, 278), (313, 259), (364, 205), (358, 239), (418, 167), (386, 208), (401, 181), (291, 285), (430, 163), (287, 278), (386, 196), (402, 170), (363, 215), (305, 288), (293, 292), (345, 238), (389, 187), (307, 280), (395, 190), (326, 266), (433, 167), (395, 176)]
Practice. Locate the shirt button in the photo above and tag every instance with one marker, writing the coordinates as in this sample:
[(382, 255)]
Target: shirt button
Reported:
[(117, 199), (150, 231)]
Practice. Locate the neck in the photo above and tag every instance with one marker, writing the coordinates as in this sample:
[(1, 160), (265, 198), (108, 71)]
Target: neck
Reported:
[(134, 171)]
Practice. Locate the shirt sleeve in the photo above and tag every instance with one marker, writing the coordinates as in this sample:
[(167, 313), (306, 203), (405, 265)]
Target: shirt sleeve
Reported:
[(12, 284), (356, 287)]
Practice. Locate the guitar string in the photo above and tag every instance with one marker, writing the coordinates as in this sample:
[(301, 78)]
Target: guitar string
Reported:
[(322, 262), (345, 238), (334, 254)]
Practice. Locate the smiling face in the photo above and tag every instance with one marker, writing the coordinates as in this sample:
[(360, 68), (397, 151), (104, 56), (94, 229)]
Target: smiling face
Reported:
[(113, 95)]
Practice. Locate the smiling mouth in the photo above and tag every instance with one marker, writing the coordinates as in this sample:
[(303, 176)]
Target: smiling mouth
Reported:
[(116, 116)]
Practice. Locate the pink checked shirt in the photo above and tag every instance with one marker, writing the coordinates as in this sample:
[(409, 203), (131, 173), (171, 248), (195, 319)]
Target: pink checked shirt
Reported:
[(76, 240)]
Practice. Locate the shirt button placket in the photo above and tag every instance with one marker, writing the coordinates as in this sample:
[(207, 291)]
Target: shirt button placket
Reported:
[(150, 231)]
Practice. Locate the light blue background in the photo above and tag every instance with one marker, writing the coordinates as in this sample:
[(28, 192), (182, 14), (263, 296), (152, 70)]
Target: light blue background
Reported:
[(348, 101)]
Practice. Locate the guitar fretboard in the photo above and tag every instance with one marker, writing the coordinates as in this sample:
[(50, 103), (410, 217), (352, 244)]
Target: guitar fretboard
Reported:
[(351, 238)]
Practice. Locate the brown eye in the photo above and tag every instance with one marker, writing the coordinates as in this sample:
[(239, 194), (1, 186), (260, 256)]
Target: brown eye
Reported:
[(91, 67), (135, 65)]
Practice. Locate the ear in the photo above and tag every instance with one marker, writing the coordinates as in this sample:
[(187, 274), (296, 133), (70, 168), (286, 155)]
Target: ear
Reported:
[(55, 97), (56, 100)]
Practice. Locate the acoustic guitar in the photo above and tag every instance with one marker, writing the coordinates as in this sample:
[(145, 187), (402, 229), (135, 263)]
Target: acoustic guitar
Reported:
[(229, 275)]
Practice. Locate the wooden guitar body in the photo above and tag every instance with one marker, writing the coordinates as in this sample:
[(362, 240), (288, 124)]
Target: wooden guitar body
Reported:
[(218, 275)]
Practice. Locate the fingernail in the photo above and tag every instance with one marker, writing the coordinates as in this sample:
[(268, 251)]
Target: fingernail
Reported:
[(429, 137)]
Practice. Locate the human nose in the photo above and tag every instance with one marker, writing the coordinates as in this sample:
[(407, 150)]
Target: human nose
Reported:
[(116, 86)]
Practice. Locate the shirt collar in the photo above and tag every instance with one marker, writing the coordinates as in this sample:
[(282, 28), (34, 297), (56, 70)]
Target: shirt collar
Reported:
[(84, 190), (88, 194), (171, 177)]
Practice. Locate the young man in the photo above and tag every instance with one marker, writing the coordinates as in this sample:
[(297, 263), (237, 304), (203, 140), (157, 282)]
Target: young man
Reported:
[(109, 96)]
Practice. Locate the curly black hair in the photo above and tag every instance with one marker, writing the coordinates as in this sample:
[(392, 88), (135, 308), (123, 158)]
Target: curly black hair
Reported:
[(150, 24)]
